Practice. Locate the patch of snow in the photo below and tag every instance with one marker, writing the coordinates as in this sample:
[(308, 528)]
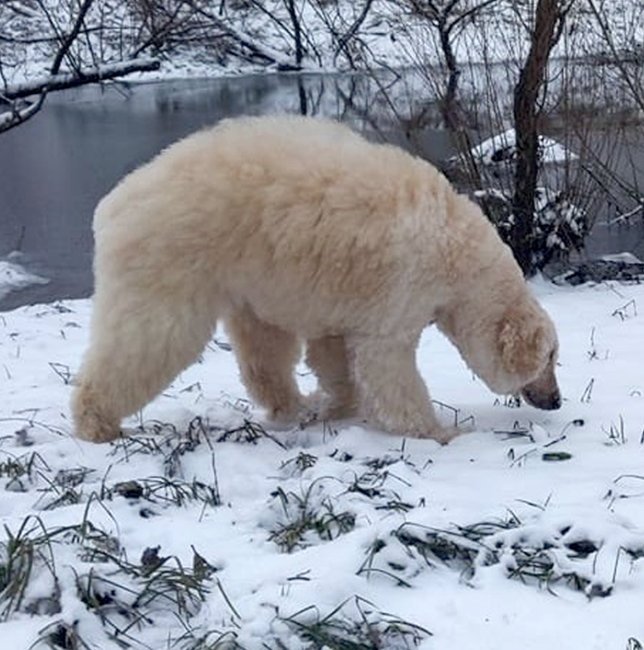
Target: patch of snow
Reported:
[(13, 276), (501, 148), (625, 257)]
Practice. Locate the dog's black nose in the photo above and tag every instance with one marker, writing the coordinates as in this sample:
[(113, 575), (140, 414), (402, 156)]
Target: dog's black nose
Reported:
[(550, 402), (555, 401)]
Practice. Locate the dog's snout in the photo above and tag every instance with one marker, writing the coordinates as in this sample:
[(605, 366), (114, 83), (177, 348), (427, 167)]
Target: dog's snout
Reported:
[(547, 402)]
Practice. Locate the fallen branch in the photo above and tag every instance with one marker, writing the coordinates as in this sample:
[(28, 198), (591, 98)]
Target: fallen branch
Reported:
[(65, 80), (246, 41), (16, 116), (627, 215), (18, 112)]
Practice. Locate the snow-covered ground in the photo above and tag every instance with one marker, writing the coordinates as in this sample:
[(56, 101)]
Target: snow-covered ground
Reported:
[(267, 539)]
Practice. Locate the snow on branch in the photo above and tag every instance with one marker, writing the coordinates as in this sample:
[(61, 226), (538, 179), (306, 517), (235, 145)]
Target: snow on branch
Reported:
[(16, 116), (249, 43), (17, 113), (93, 74)]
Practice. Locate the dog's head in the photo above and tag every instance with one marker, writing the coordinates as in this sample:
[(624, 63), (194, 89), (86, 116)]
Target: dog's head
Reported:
[(512, 351), (527, 348)]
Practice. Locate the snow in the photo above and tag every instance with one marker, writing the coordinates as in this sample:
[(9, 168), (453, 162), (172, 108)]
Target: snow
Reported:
[(579, 512), (501, 148), (625, 258), (14, 276)]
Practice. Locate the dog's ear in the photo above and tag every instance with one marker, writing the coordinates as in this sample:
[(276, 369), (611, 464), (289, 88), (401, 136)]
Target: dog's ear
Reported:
[(522, 339)]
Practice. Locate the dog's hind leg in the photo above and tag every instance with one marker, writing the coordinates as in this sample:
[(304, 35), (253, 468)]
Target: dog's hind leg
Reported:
[(328, 358), (140, 341), (266, 355)]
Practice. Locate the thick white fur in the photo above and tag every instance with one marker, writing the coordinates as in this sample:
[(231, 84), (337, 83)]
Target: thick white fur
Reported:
[(295, 229)]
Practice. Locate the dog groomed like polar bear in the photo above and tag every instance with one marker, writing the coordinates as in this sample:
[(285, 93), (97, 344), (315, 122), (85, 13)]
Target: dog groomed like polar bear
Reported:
[(294, 230)]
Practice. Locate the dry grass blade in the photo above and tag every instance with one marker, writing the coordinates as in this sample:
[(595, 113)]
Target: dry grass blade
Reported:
[(307, 516), (160, 489), (355, 624), (60, 635)]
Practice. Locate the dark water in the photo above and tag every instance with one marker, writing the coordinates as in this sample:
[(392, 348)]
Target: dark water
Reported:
[(55, 168)]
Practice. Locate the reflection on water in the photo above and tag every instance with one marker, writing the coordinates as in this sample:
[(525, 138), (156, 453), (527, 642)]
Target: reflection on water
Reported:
[(55, 168)]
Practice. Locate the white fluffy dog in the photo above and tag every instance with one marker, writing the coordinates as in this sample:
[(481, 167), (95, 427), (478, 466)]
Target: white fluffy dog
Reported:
[(293, 229)]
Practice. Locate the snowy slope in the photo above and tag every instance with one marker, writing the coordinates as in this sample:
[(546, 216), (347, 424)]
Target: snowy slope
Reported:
[(275, 530), (390, 36)]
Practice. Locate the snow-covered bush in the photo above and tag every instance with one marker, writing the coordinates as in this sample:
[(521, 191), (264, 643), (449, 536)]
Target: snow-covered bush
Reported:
[(559, 227)]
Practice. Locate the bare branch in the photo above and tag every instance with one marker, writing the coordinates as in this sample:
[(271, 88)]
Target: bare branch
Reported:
[(15, 116), (472, 11), (636, 90), (245, 40), (353, 29)]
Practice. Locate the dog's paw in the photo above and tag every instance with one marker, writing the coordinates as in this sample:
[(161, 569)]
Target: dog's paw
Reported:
[(442, 435), (319, 406)]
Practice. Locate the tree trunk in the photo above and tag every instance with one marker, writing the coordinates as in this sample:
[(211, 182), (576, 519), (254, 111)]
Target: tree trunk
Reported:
[(297, 31), (526, 94), (449, 108)]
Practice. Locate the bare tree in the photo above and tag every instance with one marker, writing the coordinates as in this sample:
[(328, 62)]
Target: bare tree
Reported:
[(625, 55), (295, 15), (162, 25), (345, 29), (442, 24), (15, 108), (448, 18), (549, 21), (242, 43), (291, 20)]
